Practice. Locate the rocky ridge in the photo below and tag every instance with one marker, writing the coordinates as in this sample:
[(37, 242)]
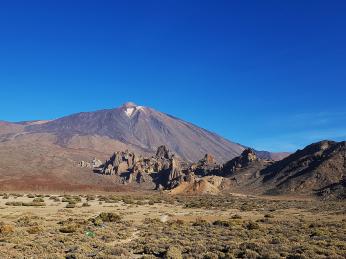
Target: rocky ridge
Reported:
[(163, 169), (166, 171), (319, 169)]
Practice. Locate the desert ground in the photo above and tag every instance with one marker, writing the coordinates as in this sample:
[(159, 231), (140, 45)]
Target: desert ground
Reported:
[(164, 226)]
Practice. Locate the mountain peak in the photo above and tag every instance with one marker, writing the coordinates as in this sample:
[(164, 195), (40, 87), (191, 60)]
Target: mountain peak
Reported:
[(131, 108), (129, 105)]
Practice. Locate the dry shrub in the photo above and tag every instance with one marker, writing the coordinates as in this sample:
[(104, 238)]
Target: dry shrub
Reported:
[(6, 228)]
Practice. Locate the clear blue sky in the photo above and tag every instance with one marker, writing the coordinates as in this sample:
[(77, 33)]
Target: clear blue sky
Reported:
[(268, 74)]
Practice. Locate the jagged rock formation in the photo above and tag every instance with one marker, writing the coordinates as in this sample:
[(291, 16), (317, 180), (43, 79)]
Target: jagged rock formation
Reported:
[(119, 162), (206, 166), (247, 157), (162, 152), (319, 167), (163, 169), (175, 175)]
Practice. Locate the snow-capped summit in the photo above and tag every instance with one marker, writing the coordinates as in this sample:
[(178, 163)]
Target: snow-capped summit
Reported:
[(131, 108)]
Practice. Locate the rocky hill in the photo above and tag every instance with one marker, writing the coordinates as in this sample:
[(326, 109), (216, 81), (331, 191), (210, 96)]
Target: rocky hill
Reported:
[(319, 168)]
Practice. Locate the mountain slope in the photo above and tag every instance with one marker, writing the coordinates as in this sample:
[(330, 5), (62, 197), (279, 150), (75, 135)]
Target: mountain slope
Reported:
[(9, 128), (312, 169), (142, 129)]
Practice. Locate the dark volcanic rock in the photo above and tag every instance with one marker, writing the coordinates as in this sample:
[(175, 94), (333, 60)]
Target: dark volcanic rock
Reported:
[(316, 168), (334, 191)]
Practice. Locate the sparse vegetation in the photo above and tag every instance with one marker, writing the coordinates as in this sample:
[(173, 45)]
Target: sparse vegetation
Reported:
[(124, 226)]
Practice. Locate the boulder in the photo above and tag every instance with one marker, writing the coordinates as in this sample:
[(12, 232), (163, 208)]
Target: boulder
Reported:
[(96, 163)]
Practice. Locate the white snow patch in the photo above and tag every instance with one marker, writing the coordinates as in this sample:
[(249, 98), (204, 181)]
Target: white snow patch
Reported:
[(129, 111)]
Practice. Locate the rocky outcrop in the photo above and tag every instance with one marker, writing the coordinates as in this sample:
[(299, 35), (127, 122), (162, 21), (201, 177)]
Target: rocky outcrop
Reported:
[(206, 166), (163, 169), (334, 191), (95, 163), (207, 160), (166, 171), (319, 168), (247, 157), (175, 176), (197, 186), (119, 162), (162, 152)]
